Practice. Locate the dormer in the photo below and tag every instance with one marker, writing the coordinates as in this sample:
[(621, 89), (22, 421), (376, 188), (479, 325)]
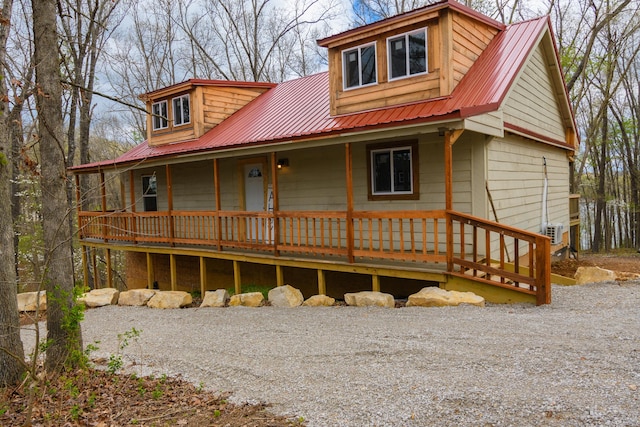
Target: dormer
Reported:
[(187, 110), (415, 56)]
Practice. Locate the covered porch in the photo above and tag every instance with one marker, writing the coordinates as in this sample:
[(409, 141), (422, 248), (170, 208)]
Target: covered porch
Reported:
[(456, 250)]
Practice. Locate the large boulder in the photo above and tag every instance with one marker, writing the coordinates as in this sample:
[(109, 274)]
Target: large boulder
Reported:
[(250, 299), (170, 299), (435, 297), (29, 301), (100, 297), (593, 274), (370, 298), (319, 301), (285, 296), (136, 297), (217, 298)]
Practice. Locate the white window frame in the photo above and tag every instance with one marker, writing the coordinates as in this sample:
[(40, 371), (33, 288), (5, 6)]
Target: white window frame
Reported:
[(155, 115), (407, 56), (391, 150), (359, 51), (180, 111)]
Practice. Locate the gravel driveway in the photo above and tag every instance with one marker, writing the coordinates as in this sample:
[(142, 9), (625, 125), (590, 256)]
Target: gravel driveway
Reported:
[(575, 362)]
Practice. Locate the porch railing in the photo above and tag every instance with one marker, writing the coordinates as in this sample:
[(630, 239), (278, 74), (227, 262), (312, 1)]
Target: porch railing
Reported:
[(472, 248), (499, 255)]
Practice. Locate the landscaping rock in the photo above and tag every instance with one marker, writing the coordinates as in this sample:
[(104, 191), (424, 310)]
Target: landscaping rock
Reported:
[(285, 296), (250, 299), (29, 301), (435, 297), (370, 298), (170, 299), (100, 297), (136, 297), (217, 298), (319, 301), (593, 275)]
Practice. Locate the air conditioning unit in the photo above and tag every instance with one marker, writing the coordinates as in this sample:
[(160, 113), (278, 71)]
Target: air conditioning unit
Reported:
[(554, 231)]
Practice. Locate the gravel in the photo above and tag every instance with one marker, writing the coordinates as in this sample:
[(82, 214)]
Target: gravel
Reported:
[(574, 362)]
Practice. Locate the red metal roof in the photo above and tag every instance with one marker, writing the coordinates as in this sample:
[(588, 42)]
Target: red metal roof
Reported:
[(299, 109)]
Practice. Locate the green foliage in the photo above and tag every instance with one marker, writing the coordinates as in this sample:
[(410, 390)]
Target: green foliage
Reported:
[(115, 362), (3, 160), (217, 413), (264, 290)]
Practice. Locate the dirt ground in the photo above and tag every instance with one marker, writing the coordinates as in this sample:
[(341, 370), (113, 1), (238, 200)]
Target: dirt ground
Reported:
[(628, 263)]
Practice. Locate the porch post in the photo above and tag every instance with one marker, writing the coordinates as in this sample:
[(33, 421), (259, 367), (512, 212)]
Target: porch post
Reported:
[(103, 199), (173, 272), (322, 283), (450, 137), (132, 204), (170, 205), (349, 181), (276, 205), (216, 183), (237, 280)]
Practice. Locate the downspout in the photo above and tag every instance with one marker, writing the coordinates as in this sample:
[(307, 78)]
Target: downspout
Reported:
[(543, 216)]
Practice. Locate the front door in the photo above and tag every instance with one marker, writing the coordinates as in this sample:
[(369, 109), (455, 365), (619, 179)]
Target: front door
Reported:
[(254, 198)]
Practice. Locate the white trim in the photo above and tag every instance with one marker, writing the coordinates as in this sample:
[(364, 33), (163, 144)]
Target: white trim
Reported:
[(406, 38), (155, 115), (181, 97), (359, 51)]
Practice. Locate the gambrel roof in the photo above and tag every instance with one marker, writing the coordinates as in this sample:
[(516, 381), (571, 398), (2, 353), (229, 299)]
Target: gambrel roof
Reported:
[(298, 110)]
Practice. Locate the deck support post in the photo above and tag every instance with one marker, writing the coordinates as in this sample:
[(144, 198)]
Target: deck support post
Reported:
[(170, 206), (349, 181), (237, 279), (203, 276), (109, 271), (279, 275), (375, 283), (85, 266), (94, 264), (173, 272), (322, 283), (150, 272)]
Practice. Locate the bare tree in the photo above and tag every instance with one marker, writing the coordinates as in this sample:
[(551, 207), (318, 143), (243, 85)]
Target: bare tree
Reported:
[(64, 336), (11, 351)]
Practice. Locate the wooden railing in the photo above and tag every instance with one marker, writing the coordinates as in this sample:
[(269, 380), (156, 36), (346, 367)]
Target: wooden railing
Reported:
[(499, 255), (472, 248)]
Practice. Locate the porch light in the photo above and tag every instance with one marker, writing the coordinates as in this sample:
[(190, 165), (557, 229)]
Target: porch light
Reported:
[(283, 163)]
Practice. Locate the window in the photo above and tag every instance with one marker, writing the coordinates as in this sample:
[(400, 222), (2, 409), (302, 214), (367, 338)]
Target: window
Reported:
[(159, 115), (359, 66), (181, 110), (407, 54), (149, 193), (393, 171)]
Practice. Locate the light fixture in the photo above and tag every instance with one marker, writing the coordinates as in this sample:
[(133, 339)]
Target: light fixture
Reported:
[(283, 163)]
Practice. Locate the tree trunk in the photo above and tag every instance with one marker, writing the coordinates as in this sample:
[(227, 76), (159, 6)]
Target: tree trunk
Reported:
[(11, 351), (63, 329)]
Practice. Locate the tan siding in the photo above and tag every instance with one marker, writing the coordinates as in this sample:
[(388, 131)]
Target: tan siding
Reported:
[(516, 177), (532, 103)]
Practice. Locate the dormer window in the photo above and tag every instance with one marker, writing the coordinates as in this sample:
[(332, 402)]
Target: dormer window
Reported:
[(407, 54), (181, 110), (359, 66), (159, 111)]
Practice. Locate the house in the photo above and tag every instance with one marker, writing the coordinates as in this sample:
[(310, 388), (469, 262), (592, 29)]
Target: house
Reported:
[(435, 150)]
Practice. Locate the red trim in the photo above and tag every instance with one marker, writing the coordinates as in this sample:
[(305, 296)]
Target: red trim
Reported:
[(526, 132)]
